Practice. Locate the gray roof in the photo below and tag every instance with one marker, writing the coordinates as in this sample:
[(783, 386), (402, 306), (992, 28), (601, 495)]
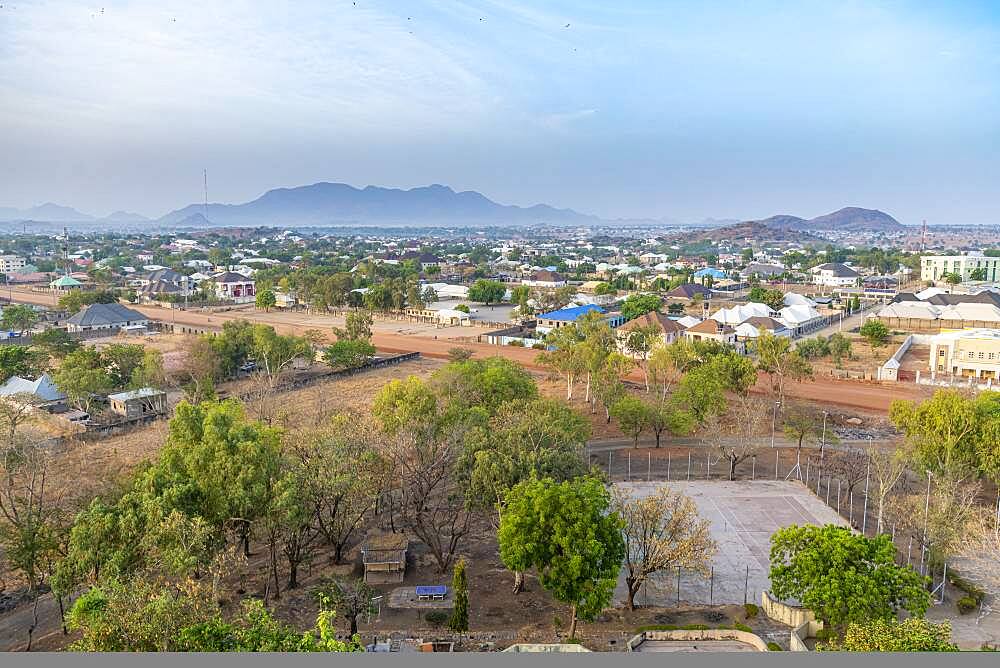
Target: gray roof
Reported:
[(141, 393), (231, 277), (839, 270), (43, 388), (105, 314)]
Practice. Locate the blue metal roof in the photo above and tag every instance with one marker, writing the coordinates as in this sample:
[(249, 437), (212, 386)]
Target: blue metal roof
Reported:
[(570, 314), (710, 271), (431, 590)]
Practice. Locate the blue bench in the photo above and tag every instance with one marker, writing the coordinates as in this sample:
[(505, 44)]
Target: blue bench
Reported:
[(431, 592)]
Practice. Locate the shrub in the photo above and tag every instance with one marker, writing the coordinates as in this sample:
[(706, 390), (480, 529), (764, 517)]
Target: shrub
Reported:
[(517, 343), (437, 617), (743, 627), (774, 647), (751, 610), (826, 634), (971, 590), (538, 346), (966, 604)]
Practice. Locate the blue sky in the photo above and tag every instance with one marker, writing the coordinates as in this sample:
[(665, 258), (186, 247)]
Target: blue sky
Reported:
[(647, 108)]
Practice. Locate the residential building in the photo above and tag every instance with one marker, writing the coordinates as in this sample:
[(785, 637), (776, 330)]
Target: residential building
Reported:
[(834, 275), (42, 391), (713, 330), (688, 292), (12, 264), (971, 353), (545, 279), (669, 330), (230, 285), (569, 315), (933, 267), (105, 316), (138, 404)]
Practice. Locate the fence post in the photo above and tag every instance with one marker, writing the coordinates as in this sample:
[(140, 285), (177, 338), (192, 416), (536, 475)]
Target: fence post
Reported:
[(838, 496), (678, 585), (668, 466), (711, 586), (850, 517), (629, 467), (746, 585), (775, 463), (689, 477), (708, 467), (753, 470), (829, 481), (808, 462), (649, 465), (610, 453)]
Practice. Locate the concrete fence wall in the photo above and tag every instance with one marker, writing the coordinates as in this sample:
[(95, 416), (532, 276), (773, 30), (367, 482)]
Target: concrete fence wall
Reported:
[(802, 620), (751, 639), (890, 370)]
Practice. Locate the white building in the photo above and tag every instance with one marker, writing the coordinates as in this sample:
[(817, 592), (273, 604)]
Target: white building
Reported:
[(834, 275), (933, 267), (974, 353), (12, 264)]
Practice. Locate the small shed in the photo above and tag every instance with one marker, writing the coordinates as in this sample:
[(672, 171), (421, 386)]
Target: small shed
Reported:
[(384, 557), (137, 404)]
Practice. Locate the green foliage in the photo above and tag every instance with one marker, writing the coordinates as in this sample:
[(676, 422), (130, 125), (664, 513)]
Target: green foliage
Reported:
[(604, 289), (487, 292), (483, 383), (349, 354), (700, 392), (565, 531), (437, 617), (774, 647), (813, 348), (265, 300), (773, 298), (463, 308), (54, 342), (889, 635), (18, 318), (640, 304), (74, 300), (751, 610), (632, 415), (83, 374), (840, 348), (459, 621), (742, 627), (842, 577), (875, 332), (966, 604), (21, 361), (357, 326)]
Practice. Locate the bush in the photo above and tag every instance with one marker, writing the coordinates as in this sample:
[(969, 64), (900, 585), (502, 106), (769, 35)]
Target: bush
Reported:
[(743, 627), (673, 627), (538, 346), (517, 343), (437, 617), (826, 634), (966, 604), (750, 610), (971, 590), (774, 647)]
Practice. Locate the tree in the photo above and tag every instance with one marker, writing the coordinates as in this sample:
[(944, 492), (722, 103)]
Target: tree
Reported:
[(487, 292), (74, 300), (978, 274), (54, 342), (639, 342), (665, 416), (843, 577), (776, 357), (952, 278), (82, 376), (608, 386), (483, 383), (632, 416), (840, 348), (19, 318), (459, 354), (149, 372), (668, 363), (700, 392), (661, 532), (875, 332), (887, 468), (520, 296), (459, 621), (850, 465), (565, 531), (348, 354), (357, 326), (640, 304), (352, 597), (773, 298), (736, 433), (941, 432), (799, 426), (566, 357), (265, 300), (120, 360), (21, 361), (881, 635)]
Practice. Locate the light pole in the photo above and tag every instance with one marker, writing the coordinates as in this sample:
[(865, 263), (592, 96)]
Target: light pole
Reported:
[(774, 420)]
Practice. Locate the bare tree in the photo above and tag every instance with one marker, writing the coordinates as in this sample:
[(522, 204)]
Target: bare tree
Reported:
[(661, 532), (737, 433), (887, 468), (851, 466)]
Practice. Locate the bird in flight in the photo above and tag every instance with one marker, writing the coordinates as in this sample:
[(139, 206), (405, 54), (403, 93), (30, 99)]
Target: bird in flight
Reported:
[(566, 26)]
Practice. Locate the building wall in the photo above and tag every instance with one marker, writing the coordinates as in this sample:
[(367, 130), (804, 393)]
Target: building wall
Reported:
[(973, 357), (932, 267), (10, 264)]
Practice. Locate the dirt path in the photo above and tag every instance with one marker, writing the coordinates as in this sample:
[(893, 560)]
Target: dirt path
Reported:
[(822, 390)]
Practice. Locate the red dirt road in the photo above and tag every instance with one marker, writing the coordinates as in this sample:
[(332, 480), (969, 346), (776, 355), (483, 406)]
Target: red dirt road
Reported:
[(823, 390)]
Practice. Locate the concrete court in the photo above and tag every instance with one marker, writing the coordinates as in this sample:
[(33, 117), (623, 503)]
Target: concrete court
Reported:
[(744, 515)]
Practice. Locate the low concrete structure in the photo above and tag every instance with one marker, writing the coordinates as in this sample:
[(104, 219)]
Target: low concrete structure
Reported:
[(534, 648), (384, 558), (137, 404), (708, 640)]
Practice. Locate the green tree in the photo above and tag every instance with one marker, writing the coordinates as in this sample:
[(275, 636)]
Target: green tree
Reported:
[(74, 300), (700, 392), (54, 342), (352, 597), (566, 356), (19, 318), (943, 432), (632, 416), (889, 635), (844, 577), (483, 383), (519, 296), (773, 298), (459, 621), (840, 348), (566, 532), (82, 376), (875, 332), (265, 300), (640, 304), (776, 358), (952, 278), (665, 417), (120, 360), (357, 326), (348, 354), (487, 292), (978, 274), (21, 361)]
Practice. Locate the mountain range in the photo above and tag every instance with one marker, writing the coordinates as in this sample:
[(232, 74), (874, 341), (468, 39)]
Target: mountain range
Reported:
[(56, 213), (848, 219)]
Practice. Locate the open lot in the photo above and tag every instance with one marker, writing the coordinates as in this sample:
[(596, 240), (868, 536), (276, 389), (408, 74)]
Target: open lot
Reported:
[(744, 515)]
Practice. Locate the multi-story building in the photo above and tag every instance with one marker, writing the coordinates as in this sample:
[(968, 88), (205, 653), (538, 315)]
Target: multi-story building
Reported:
[(933, 267), (12, 264), (973, 353)]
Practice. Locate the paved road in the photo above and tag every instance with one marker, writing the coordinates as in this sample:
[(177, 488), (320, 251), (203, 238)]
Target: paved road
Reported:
[(853, 394)]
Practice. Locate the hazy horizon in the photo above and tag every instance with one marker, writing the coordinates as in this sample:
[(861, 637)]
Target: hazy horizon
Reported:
[(655, 110)]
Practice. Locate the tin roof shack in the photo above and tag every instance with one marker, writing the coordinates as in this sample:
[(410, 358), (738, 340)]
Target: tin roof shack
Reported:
[(139, 404), (384, 557)]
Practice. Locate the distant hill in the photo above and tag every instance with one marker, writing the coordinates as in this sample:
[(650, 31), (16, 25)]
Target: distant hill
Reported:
[(339, 203), (848, 219), (48, 212), (751, 230), (125, 217)]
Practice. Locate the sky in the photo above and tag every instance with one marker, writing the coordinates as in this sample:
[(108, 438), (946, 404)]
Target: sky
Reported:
[(648, 108)]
